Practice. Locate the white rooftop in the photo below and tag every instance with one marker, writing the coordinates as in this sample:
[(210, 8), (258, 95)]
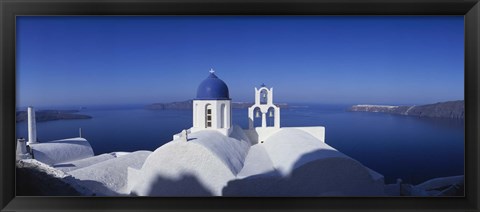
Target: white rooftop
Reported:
[(291, 162), (61, 151)]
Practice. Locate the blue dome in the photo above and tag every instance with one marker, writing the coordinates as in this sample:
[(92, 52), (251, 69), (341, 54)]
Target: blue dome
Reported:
[(212, 88)]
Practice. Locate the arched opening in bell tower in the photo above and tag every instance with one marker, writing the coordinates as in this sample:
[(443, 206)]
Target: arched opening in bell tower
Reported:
[(264, 97), (257, 117), (271, 117)]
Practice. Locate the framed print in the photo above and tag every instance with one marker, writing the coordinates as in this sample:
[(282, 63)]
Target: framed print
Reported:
[(239, 105)]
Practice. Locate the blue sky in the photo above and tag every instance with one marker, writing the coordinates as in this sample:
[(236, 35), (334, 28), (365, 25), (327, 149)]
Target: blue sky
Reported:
[(306, 59)]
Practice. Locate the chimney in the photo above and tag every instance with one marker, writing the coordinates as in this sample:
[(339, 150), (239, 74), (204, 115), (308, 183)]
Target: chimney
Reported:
[(22, 152), (32, 126)]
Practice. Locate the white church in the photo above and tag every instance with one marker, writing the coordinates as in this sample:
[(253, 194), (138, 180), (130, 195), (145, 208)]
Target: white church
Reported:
[(217, 158)]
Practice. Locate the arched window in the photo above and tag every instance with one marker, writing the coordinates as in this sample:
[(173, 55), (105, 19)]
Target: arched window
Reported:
[(208, 115), (263, 96)]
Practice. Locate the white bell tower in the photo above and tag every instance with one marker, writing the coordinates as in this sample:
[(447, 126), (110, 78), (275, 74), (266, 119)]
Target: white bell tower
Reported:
[(264, 106)]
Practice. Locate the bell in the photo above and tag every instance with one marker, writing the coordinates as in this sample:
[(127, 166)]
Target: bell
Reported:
[(264, 95), (258, 114), (270, 114)]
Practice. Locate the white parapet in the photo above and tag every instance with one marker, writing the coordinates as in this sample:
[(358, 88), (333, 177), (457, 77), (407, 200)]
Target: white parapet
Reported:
[(32, 126)]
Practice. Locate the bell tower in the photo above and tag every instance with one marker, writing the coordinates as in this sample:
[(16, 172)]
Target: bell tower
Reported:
[(264, 106)]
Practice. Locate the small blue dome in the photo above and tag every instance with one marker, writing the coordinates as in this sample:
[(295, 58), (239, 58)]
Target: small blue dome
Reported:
[(212, 88)]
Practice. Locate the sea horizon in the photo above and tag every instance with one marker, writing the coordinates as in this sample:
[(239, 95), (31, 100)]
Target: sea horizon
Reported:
[(409, 143), (140, 105)]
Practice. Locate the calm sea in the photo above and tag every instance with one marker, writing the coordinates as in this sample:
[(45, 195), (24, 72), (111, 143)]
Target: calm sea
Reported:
[(413, 149)]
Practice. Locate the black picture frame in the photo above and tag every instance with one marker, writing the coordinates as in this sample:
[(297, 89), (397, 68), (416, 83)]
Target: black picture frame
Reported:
[(12, 8)]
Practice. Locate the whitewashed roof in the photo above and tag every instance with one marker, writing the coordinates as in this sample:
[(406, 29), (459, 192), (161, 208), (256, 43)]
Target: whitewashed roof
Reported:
[(60, 151)]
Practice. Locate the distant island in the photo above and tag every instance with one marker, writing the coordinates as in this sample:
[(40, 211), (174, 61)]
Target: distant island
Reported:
[(450, 109), (51, 115), (188, 105)]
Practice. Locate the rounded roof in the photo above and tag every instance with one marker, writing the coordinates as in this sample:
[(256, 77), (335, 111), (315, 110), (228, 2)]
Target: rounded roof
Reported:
[(189, 174), (212, 88)]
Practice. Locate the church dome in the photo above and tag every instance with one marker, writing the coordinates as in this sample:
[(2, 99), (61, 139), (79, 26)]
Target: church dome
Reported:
[(212, 88)]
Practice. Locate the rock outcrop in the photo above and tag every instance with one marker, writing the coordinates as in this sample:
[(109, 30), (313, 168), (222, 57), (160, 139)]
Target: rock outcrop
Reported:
[(451, 109), (51, 115)]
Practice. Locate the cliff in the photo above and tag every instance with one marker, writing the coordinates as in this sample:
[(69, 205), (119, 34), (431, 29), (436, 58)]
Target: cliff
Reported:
[(451, 109), (51, 115), (187, 105)]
